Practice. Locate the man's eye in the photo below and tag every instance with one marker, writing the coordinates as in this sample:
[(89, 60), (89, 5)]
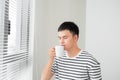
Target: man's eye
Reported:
[(59, 38), (65, 37)]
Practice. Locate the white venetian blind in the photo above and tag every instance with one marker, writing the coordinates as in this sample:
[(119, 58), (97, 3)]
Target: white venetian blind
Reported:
[(14, 38)]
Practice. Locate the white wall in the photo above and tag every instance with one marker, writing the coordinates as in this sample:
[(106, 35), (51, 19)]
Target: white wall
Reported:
[(40, 52), (49, 14), (103, 35), (65, 10)]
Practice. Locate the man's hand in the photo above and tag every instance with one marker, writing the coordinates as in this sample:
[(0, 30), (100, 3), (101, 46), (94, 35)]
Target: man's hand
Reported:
[(51, 53)]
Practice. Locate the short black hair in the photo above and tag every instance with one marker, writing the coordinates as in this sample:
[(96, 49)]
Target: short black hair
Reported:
[(71, 26)]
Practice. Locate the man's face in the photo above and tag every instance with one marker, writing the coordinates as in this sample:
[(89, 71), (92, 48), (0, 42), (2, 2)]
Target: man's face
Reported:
[(67, 39)]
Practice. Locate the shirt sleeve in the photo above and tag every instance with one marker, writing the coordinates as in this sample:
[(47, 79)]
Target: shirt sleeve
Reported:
[(95, 72)]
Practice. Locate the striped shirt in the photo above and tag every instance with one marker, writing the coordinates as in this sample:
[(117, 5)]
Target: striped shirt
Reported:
[(82, 67)]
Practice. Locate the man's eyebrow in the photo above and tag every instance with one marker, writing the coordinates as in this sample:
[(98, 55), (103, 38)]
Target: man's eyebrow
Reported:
[(58, 36), (65, 36), (62, 36)]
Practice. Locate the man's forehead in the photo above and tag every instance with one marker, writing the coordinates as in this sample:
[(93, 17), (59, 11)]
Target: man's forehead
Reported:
[(64, 33)]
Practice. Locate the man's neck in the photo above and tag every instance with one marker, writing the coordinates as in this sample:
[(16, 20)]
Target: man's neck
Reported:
[(73, 52)]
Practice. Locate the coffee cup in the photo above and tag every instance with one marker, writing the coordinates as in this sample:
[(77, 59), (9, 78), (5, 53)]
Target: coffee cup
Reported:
[(59, 50)]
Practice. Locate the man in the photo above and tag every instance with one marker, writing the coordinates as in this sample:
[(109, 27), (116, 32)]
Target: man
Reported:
[(76, 64)]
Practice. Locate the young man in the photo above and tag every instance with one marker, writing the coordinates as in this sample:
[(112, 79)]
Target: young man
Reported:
[(76, 64)]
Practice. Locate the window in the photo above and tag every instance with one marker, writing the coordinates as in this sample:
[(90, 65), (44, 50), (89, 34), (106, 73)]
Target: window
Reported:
[(14, 38)]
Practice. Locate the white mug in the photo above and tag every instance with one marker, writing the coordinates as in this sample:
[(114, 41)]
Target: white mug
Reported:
[(59, 51)]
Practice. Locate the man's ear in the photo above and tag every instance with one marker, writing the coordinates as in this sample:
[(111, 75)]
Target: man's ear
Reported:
[(76, 37)]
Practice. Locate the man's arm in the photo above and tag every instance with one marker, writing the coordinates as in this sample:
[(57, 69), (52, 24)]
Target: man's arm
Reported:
[(47, 72)]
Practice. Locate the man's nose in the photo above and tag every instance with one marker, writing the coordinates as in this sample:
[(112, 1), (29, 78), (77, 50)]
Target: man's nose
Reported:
[(61, 41)]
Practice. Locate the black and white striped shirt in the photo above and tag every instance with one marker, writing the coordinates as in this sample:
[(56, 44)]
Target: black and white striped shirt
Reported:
[(82, 67)]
